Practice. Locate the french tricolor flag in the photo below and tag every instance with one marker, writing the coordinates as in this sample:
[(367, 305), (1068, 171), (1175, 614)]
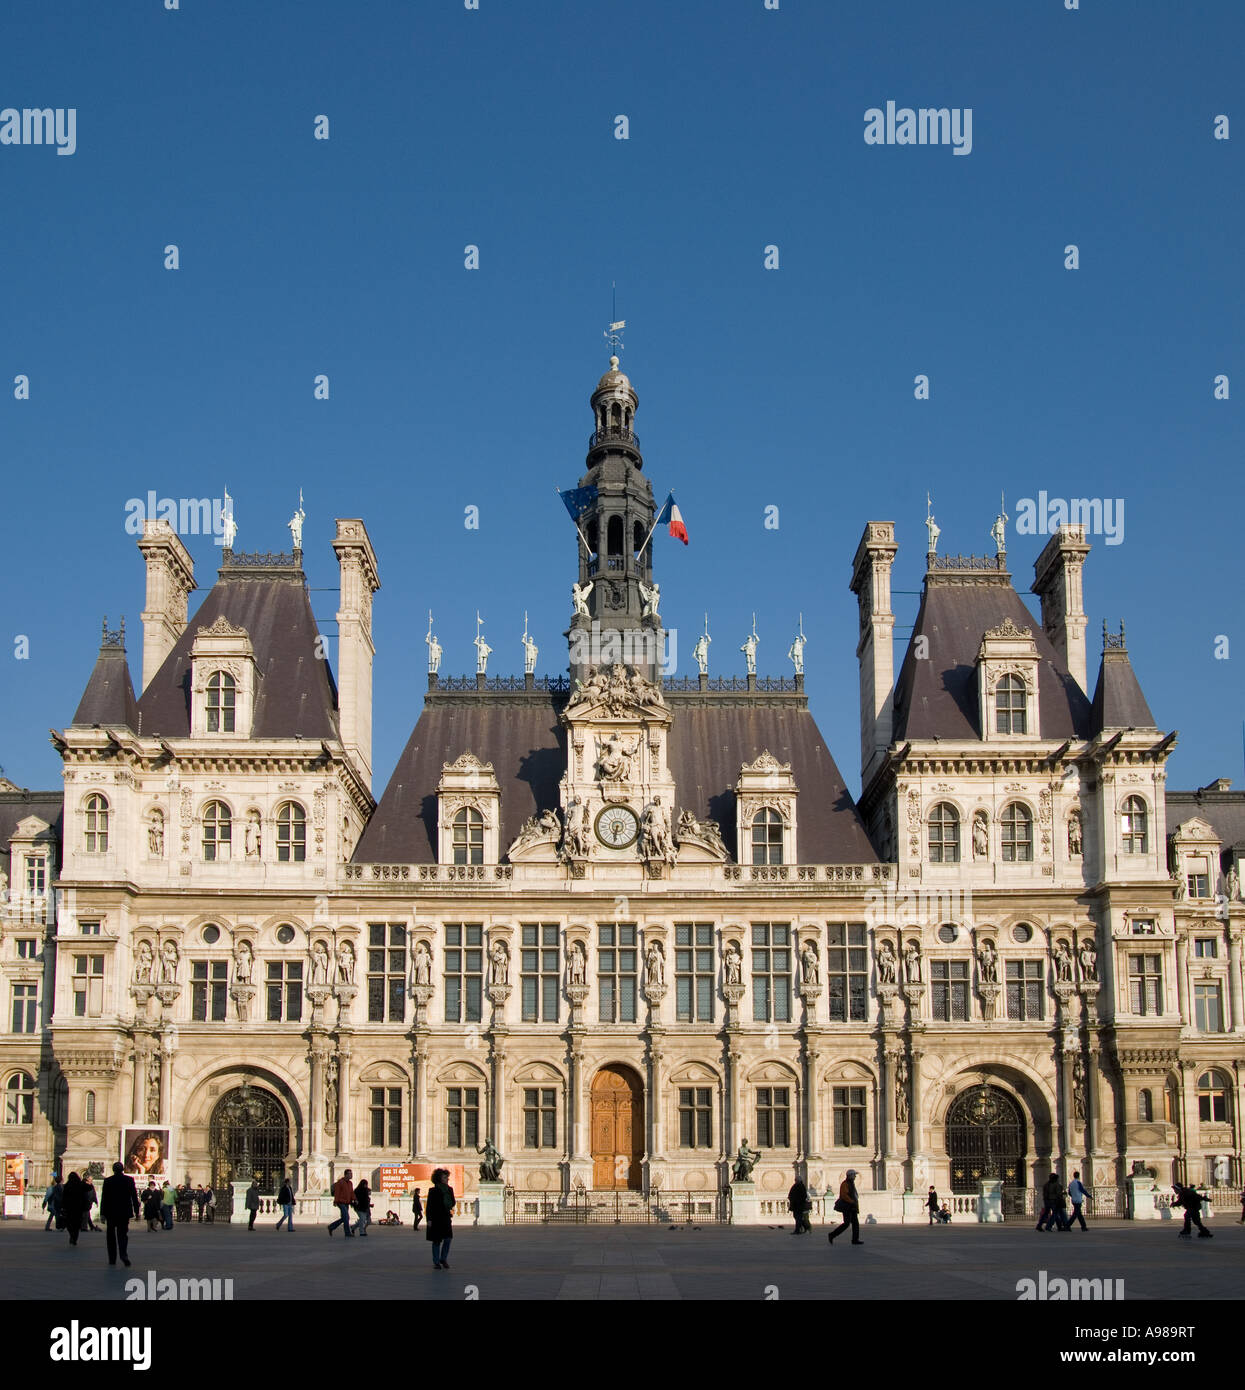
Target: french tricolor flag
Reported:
[(670, 512)]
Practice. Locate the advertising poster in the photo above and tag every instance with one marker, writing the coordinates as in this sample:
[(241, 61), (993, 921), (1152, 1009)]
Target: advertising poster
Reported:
[(399, 1179), (146, 1151), (14, 1184)]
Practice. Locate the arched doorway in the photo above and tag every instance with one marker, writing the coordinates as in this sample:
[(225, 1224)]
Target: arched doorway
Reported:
[(985, 1138), (617, 1129), (249, 1134)]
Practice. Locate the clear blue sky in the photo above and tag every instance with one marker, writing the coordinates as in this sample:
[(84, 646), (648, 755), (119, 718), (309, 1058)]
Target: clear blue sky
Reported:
[(793, 387)]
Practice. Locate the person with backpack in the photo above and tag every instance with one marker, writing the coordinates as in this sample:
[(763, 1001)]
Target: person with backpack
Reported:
[(285, 1200), (440, 1213), (799, 1205), (1077, 1196), (848, 1204), (343, 1196), (363, 1205)]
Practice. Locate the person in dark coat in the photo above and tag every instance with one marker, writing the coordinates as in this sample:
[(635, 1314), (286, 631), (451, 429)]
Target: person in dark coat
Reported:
[(52, 1202), (251, 1202), (363, 1205), (73, 1206), (285, 1200), (799, 1205), (152, 1198), (932, 1203), (1191, 1200), (849, 1204), (92, 1199), (117, 1204), (440, 1213), (417, 1208)]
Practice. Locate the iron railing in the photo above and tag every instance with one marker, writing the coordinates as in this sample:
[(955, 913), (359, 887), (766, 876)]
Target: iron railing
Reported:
[(621, 1208), (613, 436)]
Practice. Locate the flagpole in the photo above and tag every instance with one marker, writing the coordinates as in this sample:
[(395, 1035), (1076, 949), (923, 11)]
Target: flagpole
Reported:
[(575, 523), (653, 528)]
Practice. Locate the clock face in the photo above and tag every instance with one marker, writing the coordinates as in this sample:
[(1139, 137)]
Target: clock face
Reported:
[(617, 827)]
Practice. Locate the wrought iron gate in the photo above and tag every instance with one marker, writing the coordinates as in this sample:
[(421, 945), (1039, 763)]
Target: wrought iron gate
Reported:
[(985, 1138), (249, 1135)]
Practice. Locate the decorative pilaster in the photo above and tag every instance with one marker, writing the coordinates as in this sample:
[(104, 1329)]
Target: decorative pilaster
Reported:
[(1237, 1022)]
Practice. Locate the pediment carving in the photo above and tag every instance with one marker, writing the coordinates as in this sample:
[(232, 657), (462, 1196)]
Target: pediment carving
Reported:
[(615, 693)]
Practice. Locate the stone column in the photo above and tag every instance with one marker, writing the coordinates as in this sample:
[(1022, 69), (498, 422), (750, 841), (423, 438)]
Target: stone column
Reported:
[(1182, 978), (1235, 1006), (1188, 1114), (138, 1101), (497, 1108), (812, 1070), (916, 1125), (656, 1055), (315, 1084), (886, 1107), (345, 1119)]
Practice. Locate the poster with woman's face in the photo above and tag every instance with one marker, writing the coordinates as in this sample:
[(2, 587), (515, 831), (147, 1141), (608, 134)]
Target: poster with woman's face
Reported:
[(146, 1151)]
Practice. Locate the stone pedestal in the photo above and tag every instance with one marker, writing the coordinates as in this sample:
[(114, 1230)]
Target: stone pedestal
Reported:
[(745, 1206), (990, 1200), (914, 1207), (239, 1212), (1141, 1203), (490, 1204)]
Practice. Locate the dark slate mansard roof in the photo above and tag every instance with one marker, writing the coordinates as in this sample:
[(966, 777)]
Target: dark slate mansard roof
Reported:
[(15, 806), (936, 697), (526, 744), (109, 694)]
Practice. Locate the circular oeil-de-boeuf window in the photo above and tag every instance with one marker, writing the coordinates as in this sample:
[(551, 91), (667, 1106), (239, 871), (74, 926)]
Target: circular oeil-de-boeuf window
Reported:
[(1021, 933), (211, 934), (285, 934), (948, 934)]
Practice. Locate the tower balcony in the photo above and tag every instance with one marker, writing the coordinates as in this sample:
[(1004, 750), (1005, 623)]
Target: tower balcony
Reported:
[(611, 564), (614, 435)]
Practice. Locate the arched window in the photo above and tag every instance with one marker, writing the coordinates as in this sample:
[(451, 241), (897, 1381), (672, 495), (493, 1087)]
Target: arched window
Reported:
[(594, 537), (468, 825), (944, 834), (614, 536), (60, 1101), (19, 1099), (1010, 701), (222, 691), (1134, 835), (96, 824), (291, 833), (1212, 1097), (1145, 1105), (637, 537), (217, 831), (88, 1108), (767, 837), (1017, 826), (615, 416)]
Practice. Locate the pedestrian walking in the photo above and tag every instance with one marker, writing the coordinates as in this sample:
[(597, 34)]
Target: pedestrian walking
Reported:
[(417, 1208), (151, 1205), (1051, 1192), (201, 1198), (848, 1204), (92, 1199), (118, 1202), (1191, 1200), (440, 1213), (363, 1205), (932, 1203), (343, 1196), (1077, 1196), (799, 1205), (168, 1200), (251, 1202), (285, 1200), (73, 1205), (52, 1203), (209, 1204)]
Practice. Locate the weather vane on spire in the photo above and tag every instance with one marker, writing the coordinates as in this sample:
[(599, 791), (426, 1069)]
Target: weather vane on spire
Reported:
[(613, 334)]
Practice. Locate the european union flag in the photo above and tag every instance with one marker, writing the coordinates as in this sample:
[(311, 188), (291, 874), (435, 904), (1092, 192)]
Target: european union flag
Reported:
[(578, 500)]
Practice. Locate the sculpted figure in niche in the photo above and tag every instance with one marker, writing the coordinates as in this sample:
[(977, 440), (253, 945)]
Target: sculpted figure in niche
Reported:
[(1074, 833), (155, 834), (734, 964), (901, 1090), (423, 964), (1089, 960), (252, 835), (654, 966), (655, 833), (888, 966), (319, 964), (500, 958), (811, 964), (145, 965), (981, 836), (168, 964), (576, 965), (345, 964), (912, 958), (1063, 961), (988, 963), (614, 756), (330, 1093), (243, 963)]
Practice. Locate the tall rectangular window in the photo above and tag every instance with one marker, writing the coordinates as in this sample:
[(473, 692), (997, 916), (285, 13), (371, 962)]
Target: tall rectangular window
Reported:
[(386, 972), (540, 1118), (771, 972), (1026, 990), (25, 1008), (88, 986), (848, 973), (1198, 876), (849, 1117), (693, 972), (285, 991), (385, 1112), (209, 990), (695, 1117), (462, 1115), (464, 971), (616, 971), (36, 874), (538, 972), (774, 1117), (1208, 1008), (1145, 979), (949, 990)]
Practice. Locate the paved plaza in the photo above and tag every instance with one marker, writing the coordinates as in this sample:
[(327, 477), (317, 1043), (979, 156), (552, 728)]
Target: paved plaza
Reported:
[(634, 1262)]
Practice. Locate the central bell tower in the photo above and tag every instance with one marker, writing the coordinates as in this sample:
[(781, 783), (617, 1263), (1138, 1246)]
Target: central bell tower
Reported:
[(621, 623)]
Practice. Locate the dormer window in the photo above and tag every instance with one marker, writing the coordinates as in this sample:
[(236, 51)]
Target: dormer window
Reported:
[(222, 691), (1010, 706), (767, 836), (468, 827), (217, 832), (96, 808), (291, 833), (1134, 838), (36, 875), (1016, 824)]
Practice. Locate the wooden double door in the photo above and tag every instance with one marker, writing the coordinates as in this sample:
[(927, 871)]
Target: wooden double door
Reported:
[(617, 1129)]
